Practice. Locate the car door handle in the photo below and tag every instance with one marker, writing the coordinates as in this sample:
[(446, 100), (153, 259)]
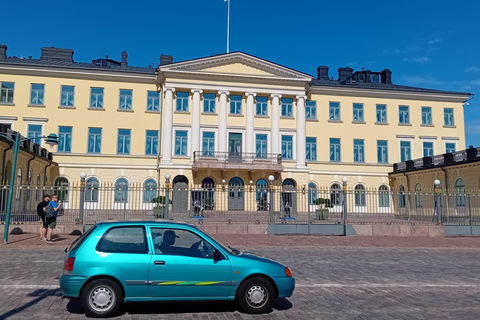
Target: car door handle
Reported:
[(158, 262)]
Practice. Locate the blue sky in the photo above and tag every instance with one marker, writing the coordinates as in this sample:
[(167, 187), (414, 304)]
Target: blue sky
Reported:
[(432, 44)]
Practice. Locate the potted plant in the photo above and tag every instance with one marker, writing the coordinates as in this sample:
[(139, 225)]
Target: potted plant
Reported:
[(159, 208), (322, 204)]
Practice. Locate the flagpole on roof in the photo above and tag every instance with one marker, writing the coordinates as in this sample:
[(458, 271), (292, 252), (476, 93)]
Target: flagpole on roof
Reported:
[(228, 25)]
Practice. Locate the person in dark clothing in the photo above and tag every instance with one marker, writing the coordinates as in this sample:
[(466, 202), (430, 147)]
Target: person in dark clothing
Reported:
[(41, 213)]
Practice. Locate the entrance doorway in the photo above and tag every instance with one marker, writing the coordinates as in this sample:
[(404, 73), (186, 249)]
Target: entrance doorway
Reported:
[(234, 147), (288, 198), (236, 200), (180, 194)]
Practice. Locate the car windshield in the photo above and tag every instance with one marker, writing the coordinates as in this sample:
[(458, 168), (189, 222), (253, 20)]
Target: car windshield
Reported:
[(224, 246)]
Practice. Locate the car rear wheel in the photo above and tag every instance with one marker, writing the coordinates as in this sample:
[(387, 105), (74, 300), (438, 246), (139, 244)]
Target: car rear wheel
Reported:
[(101, 298), (256, 295)]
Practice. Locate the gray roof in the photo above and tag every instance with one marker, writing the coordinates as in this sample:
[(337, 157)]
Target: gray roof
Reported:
[(74, 65), (380, 86)]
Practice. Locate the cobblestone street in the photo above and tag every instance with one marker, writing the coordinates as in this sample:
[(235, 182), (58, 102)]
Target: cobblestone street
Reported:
[(345, 282)]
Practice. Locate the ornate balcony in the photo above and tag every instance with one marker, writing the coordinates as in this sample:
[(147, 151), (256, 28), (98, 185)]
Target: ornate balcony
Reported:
[(237, 161)]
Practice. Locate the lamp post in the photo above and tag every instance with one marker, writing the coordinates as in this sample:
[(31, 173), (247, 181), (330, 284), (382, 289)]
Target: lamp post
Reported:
[(438, 209), (83, 175), (344, 202), (51, 140), (270, 179), (167, 196)]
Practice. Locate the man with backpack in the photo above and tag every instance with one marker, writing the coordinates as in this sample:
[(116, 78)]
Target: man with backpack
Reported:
[(41, 213), (51, 212)]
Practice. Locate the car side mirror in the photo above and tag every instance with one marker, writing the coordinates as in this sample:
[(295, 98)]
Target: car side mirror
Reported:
[(217, 255)]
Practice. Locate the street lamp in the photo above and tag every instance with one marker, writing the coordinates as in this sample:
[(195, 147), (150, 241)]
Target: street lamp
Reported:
[(51, 140), (344, 201), (167, 196), (83, 175), (436, 196), (270, 179)]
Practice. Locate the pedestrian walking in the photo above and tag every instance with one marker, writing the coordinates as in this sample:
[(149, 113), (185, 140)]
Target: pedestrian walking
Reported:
[(51, 213), (41, 213)]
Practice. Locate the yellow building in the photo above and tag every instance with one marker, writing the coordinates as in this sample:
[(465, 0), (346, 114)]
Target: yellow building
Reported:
[(230, 119)]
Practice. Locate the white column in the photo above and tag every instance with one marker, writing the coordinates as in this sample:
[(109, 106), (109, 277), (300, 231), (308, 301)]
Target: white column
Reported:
[(249, 132), (301, 132), (275, 136), (167, 126), (196, 110), (222, 121)]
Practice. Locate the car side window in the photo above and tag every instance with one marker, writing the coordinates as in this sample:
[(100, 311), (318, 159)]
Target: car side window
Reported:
[(180, 243), (127, 239)]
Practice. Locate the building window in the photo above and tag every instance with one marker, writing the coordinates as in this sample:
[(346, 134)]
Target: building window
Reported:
[(401, 197), (428, 149), (262, 106), (96, 97), (335, 191), (311, 152), (311, 110), (208, 148), (335, 150), (151, 143), (209, 102), (261, 146), (360, 196), (6, 92), (37, 94), (67, 96), (91, 190), (61, 188), (287, 147), (182, 101), (35, 132), (334, 111), (460, 199), (121, 190), (405, 151), (181, 138), (65, 139), (358, 150), (125, 99), (383, 197), (426, 115), (450, 147), (287, 107), (358, 112), (262, 195), (381, 113), (448, 116), (418, 196), (153, 101), (235, 104), (403, 114), (312, 192), (123, 142), (149, 190), (94, 140), (382, 151)]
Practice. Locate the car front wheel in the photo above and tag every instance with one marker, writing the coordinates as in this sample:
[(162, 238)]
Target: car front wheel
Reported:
[(101, 298), (256, 295)]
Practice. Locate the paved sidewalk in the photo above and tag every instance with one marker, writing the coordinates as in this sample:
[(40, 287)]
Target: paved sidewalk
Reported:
[(28, 240)]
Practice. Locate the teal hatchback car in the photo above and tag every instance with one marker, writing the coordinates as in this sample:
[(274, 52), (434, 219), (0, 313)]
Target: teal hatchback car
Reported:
[(116, 262)]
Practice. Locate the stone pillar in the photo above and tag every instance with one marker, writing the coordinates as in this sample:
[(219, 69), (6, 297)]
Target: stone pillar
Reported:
[(222, 121), (275, 134), (167, 126), (196, 111), (301, 132), (249, 131)]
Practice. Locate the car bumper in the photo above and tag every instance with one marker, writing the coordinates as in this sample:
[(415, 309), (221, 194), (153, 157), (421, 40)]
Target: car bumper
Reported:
[(285, 285), (71, 285)]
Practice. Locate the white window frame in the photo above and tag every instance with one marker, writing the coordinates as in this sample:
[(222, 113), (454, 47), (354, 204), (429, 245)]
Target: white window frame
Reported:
[(400, 148)]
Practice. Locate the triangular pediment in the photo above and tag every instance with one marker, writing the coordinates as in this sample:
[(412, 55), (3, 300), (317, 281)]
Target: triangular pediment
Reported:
[(235, 64)]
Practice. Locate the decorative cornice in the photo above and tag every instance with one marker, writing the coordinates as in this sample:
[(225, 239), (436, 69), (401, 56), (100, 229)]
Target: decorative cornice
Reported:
[(428, 137), (197, 90), (224, 92), (6, 118), (276, 95), (304, 97), (35, 119), (405, 136), (451, 138), (250, 94)]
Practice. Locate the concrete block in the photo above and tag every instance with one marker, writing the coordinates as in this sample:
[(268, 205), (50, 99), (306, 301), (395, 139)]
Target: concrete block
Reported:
[(405, 230), (257, 228), (436, 231), (363, 229), (232, 229), (209, 228), (386, 230), (419, 231)]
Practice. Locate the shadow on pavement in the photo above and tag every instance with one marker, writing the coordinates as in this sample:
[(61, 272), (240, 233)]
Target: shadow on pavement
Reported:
[(40, 294)]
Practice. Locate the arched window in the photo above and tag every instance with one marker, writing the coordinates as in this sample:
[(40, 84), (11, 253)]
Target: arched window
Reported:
[(19, 183), (383, 196), (401, 197), (91, 189), (182, 180), (261, 196), (61, 188), (208, 198), (360, 196), (312, 192), (149, 190), (208, 183), (289, 183), (418, 196), (335, 191), (121, 190), (460, 199)]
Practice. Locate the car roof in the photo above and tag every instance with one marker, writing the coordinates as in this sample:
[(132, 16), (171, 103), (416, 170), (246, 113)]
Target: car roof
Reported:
[(145, 222)]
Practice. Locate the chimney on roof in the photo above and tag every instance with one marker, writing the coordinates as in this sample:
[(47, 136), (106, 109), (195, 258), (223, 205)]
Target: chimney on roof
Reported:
[(344, 73), (165, 59), (3, 51), (322, 73), (386, 76), (124, 64), (57, 54)]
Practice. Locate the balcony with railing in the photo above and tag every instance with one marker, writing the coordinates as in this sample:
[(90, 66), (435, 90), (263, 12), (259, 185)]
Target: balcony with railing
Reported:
[(237, 161)]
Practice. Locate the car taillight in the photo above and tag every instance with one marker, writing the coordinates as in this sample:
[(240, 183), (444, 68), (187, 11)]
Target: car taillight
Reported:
[(288, 272), (69, 266)]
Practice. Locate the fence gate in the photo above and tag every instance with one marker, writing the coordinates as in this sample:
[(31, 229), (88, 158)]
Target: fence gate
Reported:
[(180, 197), (236, 194)]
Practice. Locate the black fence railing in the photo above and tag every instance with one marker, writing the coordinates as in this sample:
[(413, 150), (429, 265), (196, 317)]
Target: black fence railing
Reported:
[(236, 157)]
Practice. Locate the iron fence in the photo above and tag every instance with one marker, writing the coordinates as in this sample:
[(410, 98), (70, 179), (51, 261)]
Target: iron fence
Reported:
[(244, 204)]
